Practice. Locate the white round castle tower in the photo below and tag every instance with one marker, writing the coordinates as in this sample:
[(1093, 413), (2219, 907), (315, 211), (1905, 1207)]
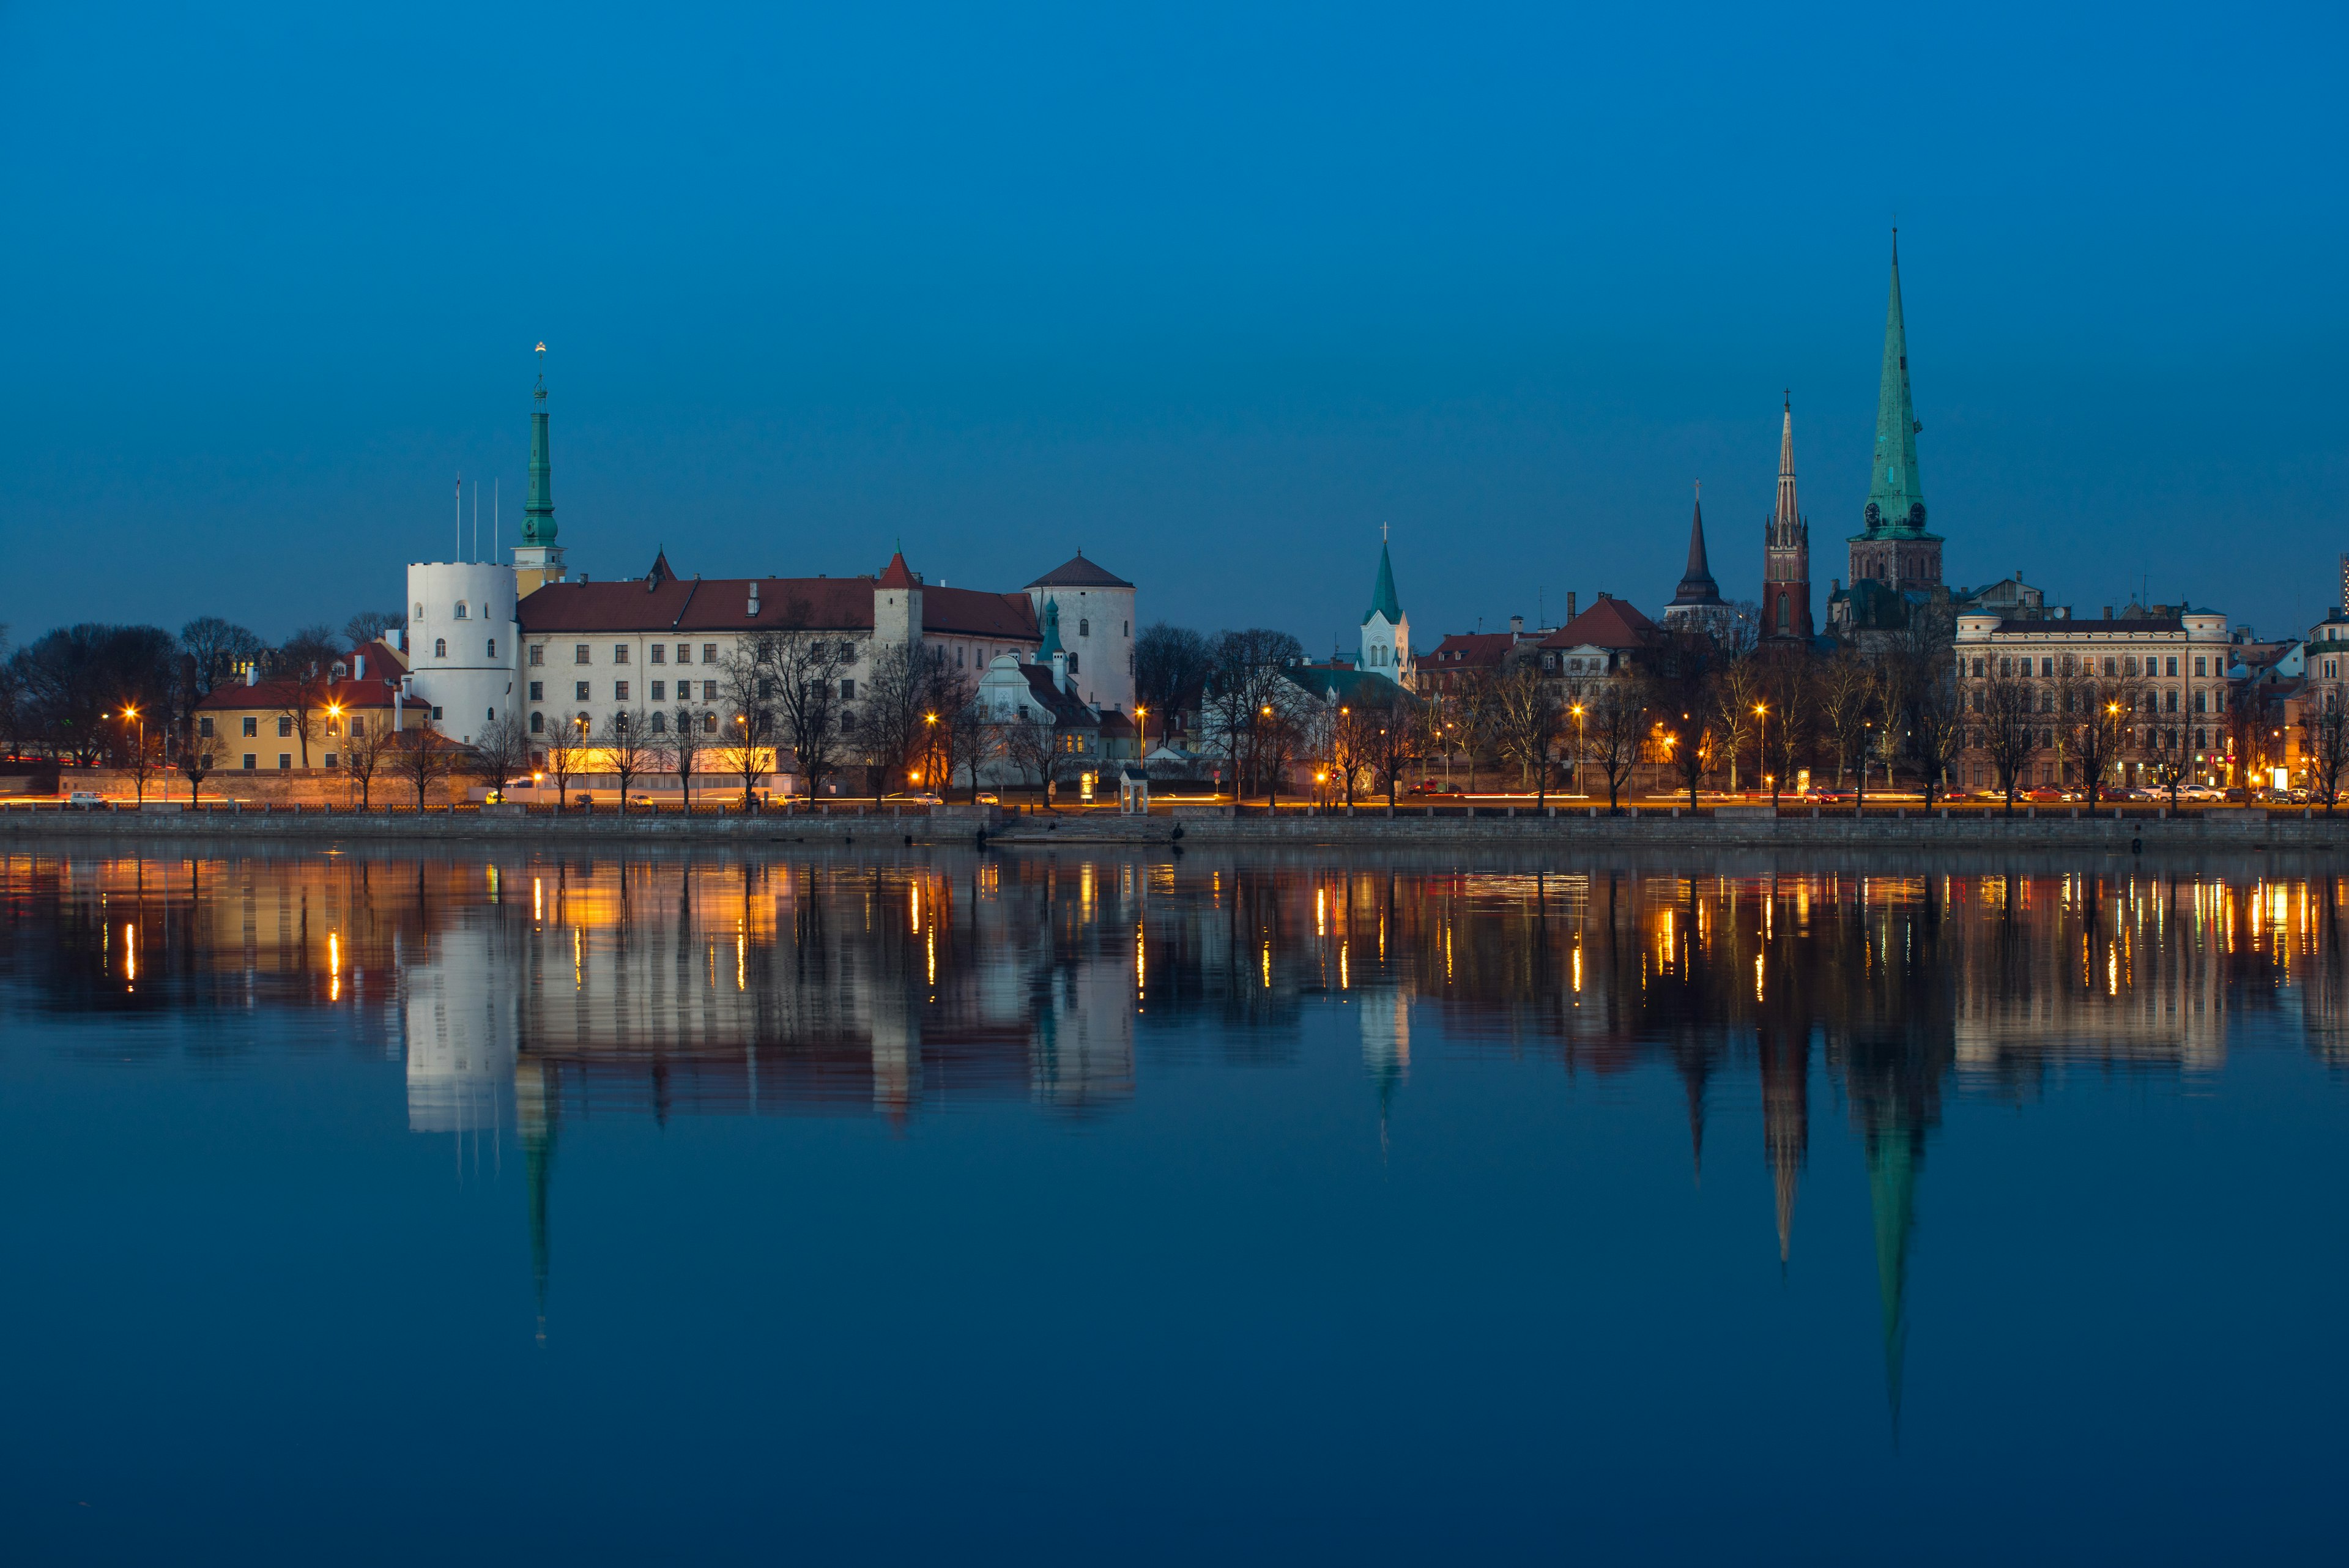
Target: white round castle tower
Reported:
[(462, 644)]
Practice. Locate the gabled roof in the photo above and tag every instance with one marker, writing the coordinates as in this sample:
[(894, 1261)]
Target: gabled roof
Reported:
[(1469, 650), (1064, 709), (1076, 572), (718, 604), (1609, 623)]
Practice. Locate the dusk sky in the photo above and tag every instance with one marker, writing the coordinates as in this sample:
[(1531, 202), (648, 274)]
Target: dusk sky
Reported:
[(1212, 296)]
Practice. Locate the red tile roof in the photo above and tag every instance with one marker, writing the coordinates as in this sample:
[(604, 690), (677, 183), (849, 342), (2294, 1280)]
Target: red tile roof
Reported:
[(1609, 623), (1076, 572), (282, 694), (897, 574), (721, 604), (1469, 650)]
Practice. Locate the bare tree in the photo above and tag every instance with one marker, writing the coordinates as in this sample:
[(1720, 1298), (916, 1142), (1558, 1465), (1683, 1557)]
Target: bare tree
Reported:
[(1471, 711), (685, 746), (1527, 715), (1847, 702), (953, 730), (309, 648), (217, 648), (2100, 718), (142, 757), (1937, 722), (365, 750), (368, 625), (1736, 693), (803, 669), (2006, 717), (1030, 742), (750, 686), (195, 764), (1390, 732), (1788, 691), (420, 758), (1249, 675), (2325, 745), (629, 750), (900, 709), (1171, 665), (565, 752), (302, 696), (1615, 731), (499, 755)]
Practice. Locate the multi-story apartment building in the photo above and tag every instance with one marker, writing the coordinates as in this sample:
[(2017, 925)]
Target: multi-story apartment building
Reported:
[(2170, 660)]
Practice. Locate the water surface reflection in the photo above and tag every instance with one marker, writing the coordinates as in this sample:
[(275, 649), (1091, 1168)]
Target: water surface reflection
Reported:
[(525, 994)]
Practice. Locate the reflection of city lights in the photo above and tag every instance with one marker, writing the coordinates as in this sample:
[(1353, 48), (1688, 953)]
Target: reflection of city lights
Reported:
[(1757, 977), (334, 967), (538, 899), (1267, 966), (129, 952)]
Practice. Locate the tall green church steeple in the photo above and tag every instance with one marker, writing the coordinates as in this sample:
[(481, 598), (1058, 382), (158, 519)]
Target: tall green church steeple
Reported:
[(1895, 496), (538, 514)]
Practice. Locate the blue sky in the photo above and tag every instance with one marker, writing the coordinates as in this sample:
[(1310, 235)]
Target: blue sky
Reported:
[(1210, 294)]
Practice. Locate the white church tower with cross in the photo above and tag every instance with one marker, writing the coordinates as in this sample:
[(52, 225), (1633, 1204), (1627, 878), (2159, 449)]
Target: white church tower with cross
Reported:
[(1386, 630)]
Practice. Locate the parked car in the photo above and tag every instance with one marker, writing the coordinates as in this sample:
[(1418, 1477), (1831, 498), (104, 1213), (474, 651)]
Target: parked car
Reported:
[(2044, 793), (84, 800)]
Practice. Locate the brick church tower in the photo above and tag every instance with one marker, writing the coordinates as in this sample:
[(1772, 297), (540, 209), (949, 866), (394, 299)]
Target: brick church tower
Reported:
[(1786, 553)]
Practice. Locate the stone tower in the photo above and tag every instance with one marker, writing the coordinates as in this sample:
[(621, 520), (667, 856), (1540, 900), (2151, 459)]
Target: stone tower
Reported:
[(1786, 553), (1895, 551), (538, 560)]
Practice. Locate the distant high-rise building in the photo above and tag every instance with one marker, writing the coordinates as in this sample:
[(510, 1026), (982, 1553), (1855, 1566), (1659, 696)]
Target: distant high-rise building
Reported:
[(1786, 553)]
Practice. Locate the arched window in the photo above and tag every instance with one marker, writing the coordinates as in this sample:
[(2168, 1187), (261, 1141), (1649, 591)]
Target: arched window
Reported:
[(1073, 663), (660, 723), (709, 724), (538, 724), (420, 610), (494, 647), (1085, 626), (439, 648), (460, 609), (493, 715)]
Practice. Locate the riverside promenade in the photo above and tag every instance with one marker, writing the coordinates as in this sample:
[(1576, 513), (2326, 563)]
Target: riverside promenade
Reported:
[(1726, 826)]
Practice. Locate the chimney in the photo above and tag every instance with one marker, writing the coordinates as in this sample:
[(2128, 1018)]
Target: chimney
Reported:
[(2108, 612), (1061, 671), (753, 611), (1569, 608), (252, 675), (1517, 627), (358, 667)]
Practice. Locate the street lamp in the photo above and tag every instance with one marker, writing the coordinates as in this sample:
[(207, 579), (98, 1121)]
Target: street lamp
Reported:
[(130, 715), (1578, 751), (1762, 747)]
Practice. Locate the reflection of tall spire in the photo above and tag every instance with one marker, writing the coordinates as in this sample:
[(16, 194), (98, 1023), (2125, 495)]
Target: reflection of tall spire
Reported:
[(534, 1119), (1386, 1050), (1696, 1064), (1892, 1196), (1785, 1121)]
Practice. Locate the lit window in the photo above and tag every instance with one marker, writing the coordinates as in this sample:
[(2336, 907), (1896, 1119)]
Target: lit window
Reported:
[(581, 694)]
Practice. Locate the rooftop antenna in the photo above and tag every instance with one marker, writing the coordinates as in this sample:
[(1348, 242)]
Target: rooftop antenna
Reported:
[(477, 520), (461, 514), (493, 519)]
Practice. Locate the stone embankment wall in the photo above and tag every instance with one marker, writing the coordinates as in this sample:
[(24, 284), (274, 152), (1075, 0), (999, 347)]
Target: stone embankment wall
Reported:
[(1202, 828)]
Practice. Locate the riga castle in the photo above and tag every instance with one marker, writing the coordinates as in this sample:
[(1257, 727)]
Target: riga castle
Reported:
[(487, 639)]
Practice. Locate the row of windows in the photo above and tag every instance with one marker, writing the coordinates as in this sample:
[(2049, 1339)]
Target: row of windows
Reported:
[(285, 725), (440, 648), (2153, 740), (657, 722), (621, 690), (2114, 667), (285, 762), (2153, 702), (659, 652)]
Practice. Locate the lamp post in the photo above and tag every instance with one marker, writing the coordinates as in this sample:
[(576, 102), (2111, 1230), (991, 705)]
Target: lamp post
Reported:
[(1762, 749), (139, 777), (1867, 744), (1577, 751)]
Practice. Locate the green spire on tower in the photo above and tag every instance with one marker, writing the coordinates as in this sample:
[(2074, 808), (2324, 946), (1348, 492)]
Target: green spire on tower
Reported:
[(1383, 599), (538, 513), (1895, 496)]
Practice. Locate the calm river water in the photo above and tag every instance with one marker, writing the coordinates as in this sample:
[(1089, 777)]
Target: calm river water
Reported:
[(911, 1206)]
